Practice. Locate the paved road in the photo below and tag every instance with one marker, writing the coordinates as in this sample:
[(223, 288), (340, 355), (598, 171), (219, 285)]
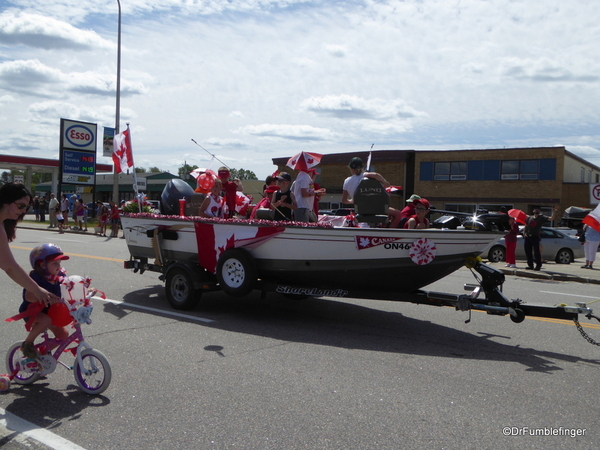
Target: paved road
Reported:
[(269, 373)]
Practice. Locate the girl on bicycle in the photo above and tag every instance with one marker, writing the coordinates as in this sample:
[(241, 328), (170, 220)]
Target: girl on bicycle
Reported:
[(47, 273)]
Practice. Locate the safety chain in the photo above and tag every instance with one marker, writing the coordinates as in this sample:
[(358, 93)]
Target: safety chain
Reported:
[(586, 336)]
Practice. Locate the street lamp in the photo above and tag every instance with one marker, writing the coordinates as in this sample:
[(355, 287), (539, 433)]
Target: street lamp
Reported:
[(118, 106)]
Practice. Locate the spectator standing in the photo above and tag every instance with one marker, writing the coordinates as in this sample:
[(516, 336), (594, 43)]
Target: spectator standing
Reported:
[(590, 246), (114, 219), (510, 239), (531, 233), (64, 209), (43, 208), (52, 205), (36, 208)]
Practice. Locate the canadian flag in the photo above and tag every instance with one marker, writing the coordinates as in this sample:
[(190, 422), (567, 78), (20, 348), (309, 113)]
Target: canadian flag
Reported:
[(593, 219), (214, 239), (122, 155)]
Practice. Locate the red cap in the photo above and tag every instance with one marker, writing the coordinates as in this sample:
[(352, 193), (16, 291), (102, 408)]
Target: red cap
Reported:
[(57, 257), (422, 201)]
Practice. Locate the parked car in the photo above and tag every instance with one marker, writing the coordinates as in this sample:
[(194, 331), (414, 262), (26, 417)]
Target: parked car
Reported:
[(557, 246), (343, 211)]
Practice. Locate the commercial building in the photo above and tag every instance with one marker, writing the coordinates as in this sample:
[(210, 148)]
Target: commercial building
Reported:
[(468, 180)]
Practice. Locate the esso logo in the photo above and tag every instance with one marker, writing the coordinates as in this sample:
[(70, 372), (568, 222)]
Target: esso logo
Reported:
[(79, 136)]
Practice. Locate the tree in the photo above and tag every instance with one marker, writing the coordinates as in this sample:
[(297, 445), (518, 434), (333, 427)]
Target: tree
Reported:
[(243, 174), (184, 171), (155, 170)]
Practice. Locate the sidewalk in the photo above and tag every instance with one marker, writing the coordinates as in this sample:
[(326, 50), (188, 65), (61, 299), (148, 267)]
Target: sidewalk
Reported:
[(550, 270)]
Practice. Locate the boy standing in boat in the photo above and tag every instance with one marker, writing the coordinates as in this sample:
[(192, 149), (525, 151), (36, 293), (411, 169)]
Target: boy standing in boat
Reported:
[(282, 201), (351, 184)]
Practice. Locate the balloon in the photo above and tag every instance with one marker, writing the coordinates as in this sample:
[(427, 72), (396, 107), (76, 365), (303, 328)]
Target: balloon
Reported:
[(205, 183), (60, 315)]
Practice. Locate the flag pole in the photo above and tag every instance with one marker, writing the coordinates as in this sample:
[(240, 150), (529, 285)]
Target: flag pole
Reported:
[(115, 194)]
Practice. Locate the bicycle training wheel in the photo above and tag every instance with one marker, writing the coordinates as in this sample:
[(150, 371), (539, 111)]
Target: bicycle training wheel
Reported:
[(14, 357), (94, 375)]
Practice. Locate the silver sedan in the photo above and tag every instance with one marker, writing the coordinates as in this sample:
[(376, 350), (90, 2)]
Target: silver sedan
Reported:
[(556, 245)]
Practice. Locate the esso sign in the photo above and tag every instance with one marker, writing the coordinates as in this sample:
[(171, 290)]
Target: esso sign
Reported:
[(79, 135)]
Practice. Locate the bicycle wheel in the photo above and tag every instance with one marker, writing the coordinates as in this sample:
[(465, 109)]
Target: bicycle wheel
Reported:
[(14, 357), (94, 375)]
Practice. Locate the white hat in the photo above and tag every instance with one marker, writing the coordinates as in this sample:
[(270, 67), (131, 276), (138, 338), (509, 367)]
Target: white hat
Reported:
[(413, 197)]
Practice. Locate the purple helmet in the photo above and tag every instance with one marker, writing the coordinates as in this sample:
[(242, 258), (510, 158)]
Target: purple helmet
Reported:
[(46, 252)]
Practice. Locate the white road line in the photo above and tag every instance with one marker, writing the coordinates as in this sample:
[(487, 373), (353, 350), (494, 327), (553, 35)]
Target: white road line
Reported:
[(155, 310), (22, 427), (569, 295)]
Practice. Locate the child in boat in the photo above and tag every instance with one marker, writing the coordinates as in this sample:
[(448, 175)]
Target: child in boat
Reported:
[(282, 201), (230, 188), (47, 273), (418, 220), (213, 205)]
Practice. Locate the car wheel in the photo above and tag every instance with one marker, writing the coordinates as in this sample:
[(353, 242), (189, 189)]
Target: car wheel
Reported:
[(497, 254), (564, 256)]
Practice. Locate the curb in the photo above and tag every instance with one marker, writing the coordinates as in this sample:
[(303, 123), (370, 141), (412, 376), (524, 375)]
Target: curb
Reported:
[(549, 276)]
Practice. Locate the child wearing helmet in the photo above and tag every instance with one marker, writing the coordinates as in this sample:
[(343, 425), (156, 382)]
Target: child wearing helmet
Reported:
[(47, 273)]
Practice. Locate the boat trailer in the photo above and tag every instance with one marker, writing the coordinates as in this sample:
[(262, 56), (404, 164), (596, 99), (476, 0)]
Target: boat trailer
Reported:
[(496, 303)]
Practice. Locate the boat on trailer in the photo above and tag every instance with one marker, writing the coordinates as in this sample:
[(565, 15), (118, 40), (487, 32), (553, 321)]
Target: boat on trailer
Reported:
[(194, 255)]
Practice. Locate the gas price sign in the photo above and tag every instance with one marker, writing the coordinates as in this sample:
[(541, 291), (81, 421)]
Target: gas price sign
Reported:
[(78, 167)]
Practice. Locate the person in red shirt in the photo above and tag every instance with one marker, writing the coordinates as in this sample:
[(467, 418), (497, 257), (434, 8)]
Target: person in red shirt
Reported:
[(230, 188), (409, 210), (418, 220)]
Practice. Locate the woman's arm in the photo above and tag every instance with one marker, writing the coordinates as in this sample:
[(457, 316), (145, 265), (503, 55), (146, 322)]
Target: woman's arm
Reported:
[(18, 274)]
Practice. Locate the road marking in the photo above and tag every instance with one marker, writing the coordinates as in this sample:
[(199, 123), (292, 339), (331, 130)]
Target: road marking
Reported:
[(103, 258), (155, 310), (568, 295), (22, 427)]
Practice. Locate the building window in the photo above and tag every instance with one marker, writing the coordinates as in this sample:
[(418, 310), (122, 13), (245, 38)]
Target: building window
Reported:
[(527, 169), (455, 170)]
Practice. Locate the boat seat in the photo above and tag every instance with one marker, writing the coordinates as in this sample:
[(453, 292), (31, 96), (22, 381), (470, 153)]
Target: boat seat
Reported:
[(265, 214), (371, 202)]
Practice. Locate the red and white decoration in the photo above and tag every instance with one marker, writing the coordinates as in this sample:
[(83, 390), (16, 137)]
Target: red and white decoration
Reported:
[(122, 154), (593, 219), (304, 161), (214, 240), (422, 251)]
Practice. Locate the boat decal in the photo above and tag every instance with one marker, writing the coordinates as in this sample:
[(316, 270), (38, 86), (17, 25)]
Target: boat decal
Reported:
[(214, 240), (313, 292), (364, 242), (422, 251)]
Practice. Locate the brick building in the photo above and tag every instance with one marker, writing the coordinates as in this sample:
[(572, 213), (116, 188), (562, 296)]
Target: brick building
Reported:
[(467, 180)]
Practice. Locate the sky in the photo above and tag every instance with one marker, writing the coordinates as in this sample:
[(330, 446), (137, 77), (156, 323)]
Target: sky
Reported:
[(253, 80)]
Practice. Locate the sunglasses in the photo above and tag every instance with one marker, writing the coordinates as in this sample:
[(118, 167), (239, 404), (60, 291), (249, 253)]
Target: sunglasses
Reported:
[(420, 209), (21, 206)]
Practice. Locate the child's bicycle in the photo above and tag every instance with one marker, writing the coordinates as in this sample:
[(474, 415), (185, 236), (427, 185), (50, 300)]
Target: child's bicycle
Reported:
[(91, 368)]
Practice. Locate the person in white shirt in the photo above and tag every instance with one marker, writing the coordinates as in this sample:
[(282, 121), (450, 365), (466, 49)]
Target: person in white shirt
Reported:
[(304, 193), (351, 183)]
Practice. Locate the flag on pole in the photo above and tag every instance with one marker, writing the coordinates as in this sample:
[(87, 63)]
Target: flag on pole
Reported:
[(593, 219), (122, 155)]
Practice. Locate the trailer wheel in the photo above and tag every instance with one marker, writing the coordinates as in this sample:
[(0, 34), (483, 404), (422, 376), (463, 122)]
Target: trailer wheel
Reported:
[(236, 272), (180, 289), (520, 317)]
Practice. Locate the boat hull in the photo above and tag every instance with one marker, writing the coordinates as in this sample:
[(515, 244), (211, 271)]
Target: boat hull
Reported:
[(349, 261)]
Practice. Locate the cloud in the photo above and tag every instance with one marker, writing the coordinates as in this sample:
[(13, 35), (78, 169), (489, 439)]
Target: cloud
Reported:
[(338, 51), (33, 30), (543, 70), (352, 107), (32, 77), (292, 132)]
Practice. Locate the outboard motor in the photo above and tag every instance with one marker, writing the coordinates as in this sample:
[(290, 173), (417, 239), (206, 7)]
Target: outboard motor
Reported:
[(371, 202), (174, 190)]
